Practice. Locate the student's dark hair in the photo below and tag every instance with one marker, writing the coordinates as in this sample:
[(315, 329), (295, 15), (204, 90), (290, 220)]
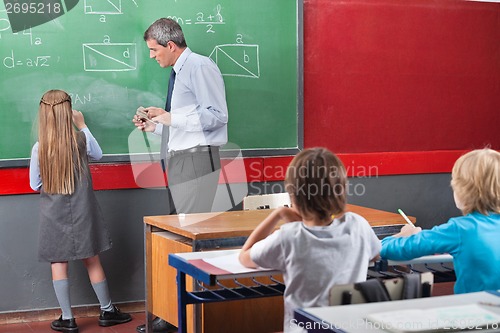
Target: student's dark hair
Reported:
[(164, 30), (316, 181)]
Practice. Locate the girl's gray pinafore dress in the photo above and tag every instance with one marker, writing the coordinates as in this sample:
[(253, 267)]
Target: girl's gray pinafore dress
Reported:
[(72, 226)]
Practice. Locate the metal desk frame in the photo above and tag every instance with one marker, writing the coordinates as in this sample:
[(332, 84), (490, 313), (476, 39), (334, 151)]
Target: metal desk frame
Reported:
[(223, 293)]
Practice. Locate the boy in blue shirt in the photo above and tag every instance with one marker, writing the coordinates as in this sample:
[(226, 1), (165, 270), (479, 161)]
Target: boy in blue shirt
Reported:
[(471, 239)]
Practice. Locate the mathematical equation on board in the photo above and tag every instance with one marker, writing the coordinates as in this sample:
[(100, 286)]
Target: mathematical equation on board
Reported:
[(11, 59), (209, 20), (238, 59), (114, 7)]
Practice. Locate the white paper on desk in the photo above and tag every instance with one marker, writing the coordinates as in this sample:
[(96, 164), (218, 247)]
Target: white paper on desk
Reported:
[(450, 318), (230, 263)]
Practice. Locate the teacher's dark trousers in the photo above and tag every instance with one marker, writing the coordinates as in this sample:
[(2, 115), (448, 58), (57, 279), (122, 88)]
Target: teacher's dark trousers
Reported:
[(193, 179)]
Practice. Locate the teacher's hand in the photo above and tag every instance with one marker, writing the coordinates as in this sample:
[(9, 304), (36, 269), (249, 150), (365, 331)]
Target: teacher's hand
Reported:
[(143, 125), (165, 119), (154, 111)]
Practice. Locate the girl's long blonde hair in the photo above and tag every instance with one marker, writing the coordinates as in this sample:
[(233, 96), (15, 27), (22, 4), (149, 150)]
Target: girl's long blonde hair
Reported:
[(58, 148)]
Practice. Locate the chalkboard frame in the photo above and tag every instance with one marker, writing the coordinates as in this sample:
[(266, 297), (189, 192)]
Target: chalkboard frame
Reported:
[(226, 152)]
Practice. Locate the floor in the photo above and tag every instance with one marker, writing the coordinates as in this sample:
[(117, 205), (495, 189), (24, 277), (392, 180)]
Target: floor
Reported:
[(85, 325), (89, 324)]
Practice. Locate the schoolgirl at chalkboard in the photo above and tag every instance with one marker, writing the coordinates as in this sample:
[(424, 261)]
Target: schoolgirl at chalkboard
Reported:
[(71, 222)]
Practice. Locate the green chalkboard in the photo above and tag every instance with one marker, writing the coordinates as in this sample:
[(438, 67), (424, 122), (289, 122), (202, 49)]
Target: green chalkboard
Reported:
[(94, 50)]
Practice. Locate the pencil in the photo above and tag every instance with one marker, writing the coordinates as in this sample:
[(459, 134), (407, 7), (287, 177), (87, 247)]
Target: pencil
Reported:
[(406, 218)]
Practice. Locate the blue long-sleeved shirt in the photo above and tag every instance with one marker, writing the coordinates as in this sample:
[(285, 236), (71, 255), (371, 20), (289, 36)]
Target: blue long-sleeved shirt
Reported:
[(93, 151), (473, 241)]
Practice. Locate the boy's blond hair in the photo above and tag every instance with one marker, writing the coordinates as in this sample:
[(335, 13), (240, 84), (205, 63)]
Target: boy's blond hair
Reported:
[(476, 181), (316, 181)]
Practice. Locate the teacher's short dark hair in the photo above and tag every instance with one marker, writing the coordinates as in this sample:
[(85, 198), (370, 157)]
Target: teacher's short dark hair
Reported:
[(164, 30)]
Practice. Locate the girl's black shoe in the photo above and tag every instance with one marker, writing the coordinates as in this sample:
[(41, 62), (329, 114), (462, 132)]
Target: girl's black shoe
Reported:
[(64, 325), (113, 317)]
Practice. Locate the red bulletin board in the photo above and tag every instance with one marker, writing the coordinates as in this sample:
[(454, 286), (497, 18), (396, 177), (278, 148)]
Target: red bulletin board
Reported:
[(399, 76)]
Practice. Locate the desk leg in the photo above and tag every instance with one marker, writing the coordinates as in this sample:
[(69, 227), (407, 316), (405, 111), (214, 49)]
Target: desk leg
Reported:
[(181, 302), (149, 322), (148, 277)]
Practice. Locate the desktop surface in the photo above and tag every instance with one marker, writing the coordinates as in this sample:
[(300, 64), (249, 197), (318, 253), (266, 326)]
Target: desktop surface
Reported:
[(351, 318), (242, 223)]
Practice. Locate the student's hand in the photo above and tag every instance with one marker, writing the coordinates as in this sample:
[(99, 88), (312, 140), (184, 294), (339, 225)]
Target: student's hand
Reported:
[(376, 258), (407, 231), (79, 120), (143, 125), (289, 214), (264, 229)]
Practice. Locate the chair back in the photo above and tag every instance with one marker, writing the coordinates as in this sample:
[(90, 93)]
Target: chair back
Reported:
[(407, 286), (266, 201)]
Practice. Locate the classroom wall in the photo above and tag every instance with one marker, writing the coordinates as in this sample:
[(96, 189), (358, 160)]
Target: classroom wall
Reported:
[(398, 76), (25, 283)]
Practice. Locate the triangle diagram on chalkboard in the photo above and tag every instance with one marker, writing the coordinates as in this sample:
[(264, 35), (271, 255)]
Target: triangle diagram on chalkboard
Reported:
[(237, 60), (25, 15), (109, 57)]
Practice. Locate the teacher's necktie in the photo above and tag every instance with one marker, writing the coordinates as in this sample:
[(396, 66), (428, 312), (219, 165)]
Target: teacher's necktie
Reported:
[(166, 130), (171, 83)]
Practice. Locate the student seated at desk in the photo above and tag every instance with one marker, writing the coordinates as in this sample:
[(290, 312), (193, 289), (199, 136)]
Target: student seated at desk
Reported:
[(472, 239), (324, 245)]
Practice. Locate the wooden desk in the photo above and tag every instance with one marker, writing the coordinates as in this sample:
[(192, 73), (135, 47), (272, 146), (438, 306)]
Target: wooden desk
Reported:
[(350, 318), (210, 231)]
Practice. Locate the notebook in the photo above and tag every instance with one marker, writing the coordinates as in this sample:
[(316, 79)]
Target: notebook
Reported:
[(442, 319)]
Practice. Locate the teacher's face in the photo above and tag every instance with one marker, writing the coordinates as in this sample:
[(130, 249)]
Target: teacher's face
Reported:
[(163, 55)]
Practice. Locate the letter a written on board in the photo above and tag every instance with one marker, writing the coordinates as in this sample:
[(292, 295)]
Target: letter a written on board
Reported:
[(25, 14)]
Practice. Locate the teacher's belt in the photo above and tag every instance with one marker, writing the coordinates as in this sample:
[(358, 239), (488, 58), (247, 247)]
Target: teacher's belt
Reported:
[(197, 149)]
